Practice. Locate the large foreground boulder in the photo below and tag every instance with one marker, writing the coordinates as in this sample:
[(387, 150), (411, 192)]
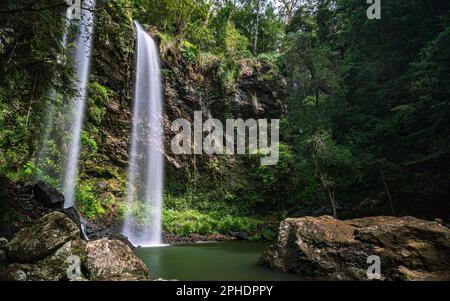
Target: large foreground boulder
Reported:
[(51, 249), (327, 248), (114, 260), (52, 268), (42, 238)]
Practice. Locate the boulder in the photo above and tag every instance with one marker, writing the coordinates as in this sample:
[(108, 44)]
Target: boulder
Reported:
[(410, 242), (3, 243), (3, 263), (240, 235), (56, 266), (16, 272), (51, 250), (42, 238), (75, 216), (94, 232), (113, 260), (48, 196), (324, 247)]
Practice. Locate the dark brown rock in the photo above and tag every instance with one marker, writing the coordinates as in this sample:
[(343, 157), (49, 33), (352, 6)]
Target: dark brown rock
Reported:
[(409, 248), (48, 196)]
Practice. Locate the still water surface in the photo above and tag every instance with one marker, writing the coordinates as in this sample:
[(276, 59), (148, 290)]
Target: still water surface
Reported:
[(210, 261)]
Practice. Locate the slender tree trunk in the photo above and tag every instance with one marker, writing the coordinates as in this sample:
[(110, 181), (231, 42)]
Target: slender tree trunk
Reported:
[(31, 100), (316, 91), (208, 16), (332, 201), (258, 13), (386, 188), (330, 192)]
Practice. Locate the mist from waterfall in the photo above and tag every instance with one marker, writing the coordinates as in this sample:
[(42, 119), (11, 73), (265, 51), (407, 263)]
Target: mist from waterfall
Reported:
[(77, 105), (145, 174), (50, 112)]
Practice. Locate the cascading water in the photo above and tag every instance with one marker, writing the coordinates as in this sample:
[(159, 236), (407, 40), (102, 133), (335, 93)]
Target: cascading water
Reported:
[(50, 115), (82, 62), (145, 175)]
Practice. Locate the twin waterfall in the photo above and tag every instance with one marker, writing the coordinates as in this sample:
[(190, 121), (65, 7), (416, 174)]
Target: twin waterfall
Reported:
[(145, 175), (144, 191), (82, 63)]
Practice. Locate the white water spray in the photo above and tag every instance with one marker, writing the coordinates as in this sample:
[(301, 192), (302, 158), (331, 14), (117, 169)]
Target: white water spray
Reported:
[(82, 61), (145, 175), (50, 115)]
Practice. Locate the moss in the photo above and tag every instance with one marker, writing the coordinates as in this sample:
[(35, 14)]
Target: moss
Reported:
[(98, 97)]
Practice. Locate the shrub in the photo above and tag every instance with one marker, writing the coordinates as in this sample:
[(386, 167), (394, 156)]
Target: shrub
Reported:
[(192, 221), (190, 52), (88, 141), (87, 201)]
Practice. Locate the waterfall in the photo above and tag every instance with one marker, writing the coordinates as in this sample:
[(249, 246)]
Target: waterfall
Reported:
[(50, 112), (82, 62), (145, 174)]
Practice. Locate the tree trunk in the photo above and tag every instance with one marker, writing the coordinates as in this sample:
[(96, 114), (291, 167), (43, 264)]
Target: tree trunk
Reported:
[(386, 188), (332, 201), (317, 95), (258, 12), (208, 15), (31, 100)]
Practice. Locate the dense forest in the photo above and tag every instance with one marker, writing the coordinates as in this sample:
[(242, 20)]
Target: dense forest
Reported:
[(363, 105)]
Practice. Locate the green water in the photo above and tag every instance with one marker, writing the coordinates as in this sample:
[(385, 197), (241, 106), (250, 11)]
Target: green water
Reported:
[(210, 261)]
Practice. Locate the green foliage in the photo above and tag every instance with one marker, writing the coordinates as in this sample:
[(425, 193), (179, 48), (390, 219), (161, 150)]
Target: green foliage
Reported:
[(228, 73), (31, 173), (357, 101), (274, 186), (265, 235), (98, 97), (190, 52), (30, 63), (89, 142), (364, 98), (234, 43), (270, 26), (87, 201), (272, 59), (191, 221)]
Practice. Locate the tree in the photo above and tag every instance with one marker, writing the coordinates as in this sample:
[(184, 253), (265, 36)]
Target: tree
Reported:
[(256, 33), (335, 167), (287, 9)]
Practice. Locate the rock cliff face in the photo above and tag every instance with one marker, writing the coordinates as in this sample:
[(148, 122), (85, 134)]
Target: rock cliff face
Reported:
[(256, 92), (324, 247)]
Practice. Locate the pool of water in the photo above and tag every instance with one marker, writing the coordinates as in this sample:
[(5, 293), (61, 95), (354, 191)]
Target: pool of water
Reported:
[(210, 261)]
